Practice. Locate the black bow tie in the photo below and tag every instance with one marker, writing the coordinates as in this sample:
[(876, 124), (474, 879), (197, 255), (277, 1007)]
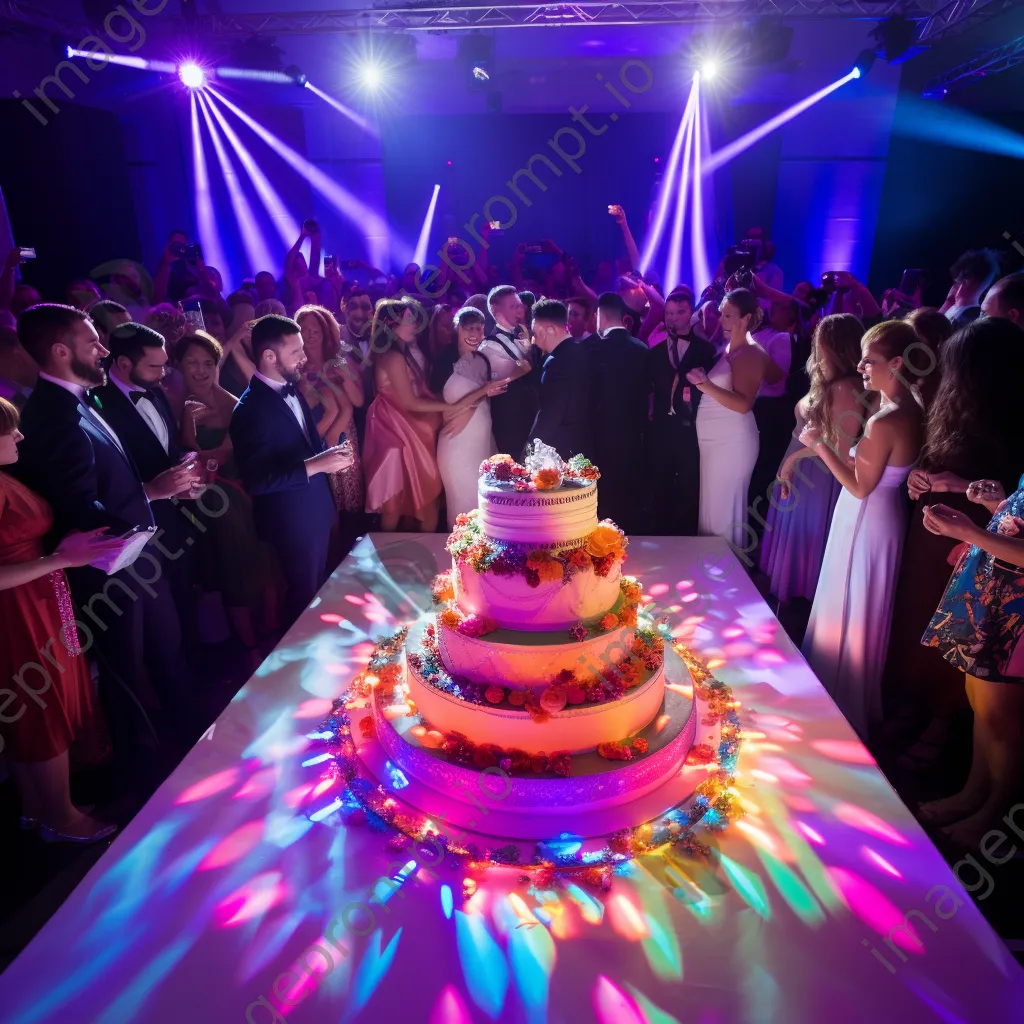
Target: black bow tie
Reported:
[(288, 391), (138, 396)]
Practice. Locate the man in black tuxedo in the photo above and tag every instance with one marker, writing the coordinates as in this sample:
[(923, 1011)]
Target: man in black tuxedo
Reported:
[(508, 350), (672, 450), (618, 366), (563, 419), (74, 459), (137, 408), (283, 461)]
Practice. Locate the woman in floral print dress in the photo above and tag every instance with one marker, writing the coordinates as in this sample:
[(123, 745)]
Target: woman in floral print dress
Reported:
[(979, 628)]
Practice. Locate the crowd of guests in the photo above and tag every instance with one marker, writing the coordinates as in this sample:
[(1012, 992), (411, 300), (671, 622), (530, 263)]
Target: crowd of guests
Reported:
[(851, 450)]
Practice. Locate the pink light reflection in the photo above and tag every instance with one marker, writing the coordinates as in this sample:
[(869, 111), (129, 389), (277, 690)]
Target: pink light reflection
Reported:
[(879, 861), (875, 910), (233, 847), (353, 599), (315, 707), (209, 786), (449, 1008), (612, 1005), (253, 899), (657, 589), (331, 618), (259, 785), (865, 821), (848, 751), (809, 833)]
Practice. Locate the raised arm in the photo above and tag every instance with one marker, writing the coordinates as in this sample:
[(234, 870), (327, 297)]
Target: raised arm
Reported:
[(627, 236)]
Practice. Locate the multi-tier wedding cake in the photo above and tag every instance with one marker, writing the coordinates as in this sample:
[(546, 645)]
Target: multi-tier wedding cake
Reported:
[(538, 661)]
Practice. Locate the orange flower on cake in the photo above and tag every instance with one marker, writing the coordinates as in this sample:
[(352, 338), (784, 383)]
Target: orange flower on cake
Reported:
[(547, 568), (546, 479), (609, 621), (606, 539)]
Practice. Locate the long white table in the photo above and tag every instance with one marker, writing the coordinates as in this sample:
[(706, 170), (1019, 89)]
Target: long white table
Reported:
[(825, 903)]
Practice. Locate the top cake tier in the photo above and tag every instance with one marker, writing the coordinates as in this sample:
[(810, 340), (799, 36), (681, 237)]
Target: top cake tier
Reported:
[(550, 519)]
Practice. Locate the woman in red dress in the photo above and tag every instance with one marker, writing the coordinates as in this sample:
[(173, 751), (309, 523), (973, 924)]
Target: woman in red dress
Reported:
[(41, 722)]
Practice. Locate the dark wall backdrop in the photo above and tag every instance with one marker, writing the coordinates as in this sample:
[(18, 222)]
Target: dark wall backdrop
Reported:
[(485, 151), (67, 190), (939, 201)]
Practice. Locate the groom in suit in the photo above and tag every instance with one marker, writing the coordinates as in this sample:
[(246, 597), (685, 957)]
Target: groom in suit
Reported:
[(672, 450), (619, 380), (75, 460), (563, 419), (136, 407), (283, 462)]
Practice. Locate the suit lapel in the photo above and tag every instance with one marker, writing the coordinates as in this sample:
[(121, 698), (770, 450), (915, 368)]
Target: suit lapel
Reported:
[(277, 402)]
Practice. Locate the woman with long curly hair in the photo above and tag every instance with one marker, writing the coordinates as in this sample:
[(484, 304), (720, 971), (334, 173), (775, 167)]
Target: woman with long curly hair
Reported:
[(402, 476), (848, 631), (971, 433), (333, 389), (806, 493)]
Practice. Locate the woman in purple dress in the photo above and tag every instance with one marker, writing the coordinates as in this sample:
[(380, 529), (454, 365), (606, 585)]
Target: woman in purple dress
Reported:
[(806, 493)]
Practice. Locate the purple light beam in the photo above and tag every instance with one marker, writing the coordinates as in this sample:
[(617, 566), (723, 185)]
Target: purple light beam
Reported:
[(284, 223), (673, 272), (256, 250), (667, 191), (420, 255), (206, 217), (356, 119), (374, 227), (726, 153), (698, 245)]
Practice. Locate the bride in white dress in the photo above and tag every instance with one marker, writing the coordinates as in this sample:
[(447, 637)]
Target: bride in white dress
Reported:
[(726, 431), (848, 632), (465, 439)]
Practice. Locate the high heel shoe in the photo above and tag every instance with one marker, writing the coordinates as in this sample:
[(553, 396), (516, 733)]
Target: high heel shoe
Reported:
[(27, 824), (50, 835)]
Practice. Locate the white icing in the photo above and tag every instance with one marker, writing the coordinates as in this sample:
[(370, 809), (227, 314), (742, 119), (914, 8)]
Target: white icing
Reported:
[(514, 604), (482, 660), (576, 729), (565, 515)]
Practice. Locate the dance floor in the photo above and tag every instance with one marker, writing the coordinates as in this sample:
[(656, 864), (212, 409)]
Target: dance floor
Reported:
[(824, 902)]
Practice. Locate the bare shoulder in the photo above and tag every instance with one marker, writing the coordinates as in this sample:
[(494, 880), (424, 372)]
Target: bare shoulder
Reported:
[(749, 355)]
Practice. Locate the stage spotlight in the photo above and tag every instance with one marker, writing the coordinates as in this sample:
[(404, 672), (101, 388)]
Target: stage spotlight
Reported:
[(370, 75), (480, 73), (864, 62), (894, 36), (296, 75), (708, 70), (192, 75)]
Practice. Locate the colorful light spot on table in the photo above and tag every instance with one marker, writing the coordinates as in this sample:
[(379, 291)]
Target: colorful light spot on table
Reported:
[(234, 846), (484, 968), (876, 910), (331, 618), (209, 786), (798, 897), (251, 900), (847, 751), (612, 1005), (315, 707), (811, 834), (879, 861), (748, 884), (372, 970), (449, 1008), (863, 820)]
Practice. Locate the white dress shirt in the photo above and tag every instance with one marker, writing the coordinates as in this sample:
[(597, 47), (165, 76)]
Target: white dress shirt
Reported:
[(147, 410), (503, 364), (79, 392), (292, 401)]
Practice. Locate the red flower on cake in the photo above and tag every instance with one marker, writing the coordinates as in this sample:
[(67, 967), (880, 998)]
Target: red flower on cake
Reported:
[(450, 619), (609, 621), (701, 753), (603, 566), (486, 756), (503, 472), (579, 559), (538, 763), (639, 745), (560, 763), (575, 694), (615, 751), (517, 698), (494, 694), (476, 625)]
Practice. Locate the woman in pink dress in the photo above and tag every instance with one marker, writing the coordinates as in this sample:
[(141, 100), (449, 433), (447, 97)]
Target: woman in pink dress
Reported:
[(37, 731), (400, 456)]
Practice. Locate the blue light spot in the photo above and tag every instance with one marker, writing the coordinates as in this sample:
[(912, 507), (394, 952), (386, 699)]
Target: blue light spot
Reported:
[(447, 901)]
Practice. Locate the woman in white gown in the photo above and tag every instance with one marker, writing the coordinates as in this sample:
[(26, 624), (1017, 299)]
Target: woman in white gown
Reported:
[(848, 632), (726, 431), (465, 439)]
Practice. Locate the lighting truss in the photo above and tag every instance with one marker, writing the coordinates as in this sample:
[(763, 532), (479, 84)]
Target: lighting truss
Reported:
[(1002, 58), (951, 17)]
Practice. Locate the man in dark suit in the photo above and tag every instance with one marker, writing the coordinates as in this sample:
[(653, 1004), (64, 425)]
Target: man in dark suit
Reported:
[(618, 366), (74, 459), (672, 450), (508, 350), (563, 418), (283, 462), (138, 410)]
